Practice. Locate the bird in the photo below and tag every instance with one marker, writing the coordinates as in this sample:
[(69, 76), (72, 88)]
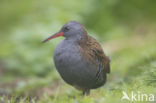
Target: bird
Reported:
[(79, 58)]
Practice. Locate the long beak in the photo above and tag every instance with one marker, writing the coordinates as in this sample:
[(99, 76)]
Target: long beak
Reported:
[(53, 36)]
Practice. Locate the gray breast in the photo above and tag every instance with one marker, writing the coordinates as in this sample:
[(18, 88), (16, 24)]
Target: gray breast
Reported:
[(72, 67)]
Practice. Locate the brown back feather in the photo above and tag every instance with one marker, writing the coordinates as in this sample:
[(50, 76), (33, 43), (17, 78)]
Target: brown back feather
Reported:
[(92, 51)]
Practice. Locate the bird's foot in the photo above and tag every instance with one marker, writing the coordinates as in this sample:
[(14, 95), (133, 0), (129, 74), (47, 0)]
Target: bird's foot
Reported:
[(86, 92)]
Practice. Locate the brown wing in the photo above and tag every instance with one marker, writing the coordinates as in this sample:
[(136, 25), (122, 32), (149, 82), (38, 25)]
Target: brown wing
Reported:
[(93, 52)]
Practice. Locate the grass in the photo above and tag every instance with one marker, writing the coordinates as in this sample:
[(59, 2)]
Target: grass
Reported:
[(133, 68)]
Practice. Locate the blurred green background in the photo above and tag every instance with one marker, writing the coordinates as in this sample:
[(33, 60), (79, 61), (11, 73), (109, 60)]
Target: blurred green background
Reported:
[(125, 29)]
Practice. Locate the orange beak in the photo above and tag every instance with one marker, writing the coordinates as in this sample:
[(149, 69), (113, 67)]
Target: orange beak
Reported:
[(53, 36)]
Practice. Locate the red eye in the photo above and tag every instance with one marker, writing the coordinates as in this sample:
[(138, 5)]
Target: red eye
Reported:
[(67, 28)]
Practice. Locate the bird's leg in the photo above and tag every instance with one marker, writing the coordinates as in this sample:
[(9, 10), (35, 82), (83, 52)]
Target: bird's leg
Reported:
[(86, 92)]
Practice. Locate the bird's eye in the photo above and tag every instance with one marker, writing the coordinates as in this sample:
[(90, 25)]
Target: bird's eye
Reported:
[(66, 28)]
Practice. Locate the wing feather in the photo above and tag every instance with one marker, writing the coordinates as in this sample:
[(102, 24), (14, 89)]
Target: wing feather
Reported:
[(92, 51)]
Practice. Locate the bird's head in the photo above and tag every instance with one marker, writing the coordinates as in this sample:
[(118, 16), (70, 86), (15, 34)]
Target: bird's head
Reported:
[(71, 30)]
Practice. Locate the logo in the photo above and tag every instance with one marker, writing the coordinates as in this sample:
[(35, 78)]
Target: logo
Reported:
[(137, 96)]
